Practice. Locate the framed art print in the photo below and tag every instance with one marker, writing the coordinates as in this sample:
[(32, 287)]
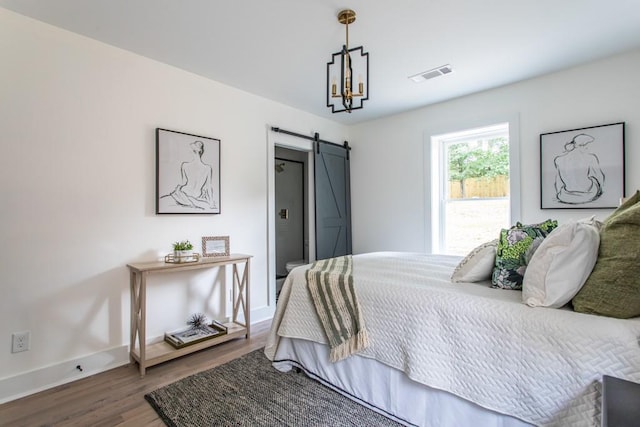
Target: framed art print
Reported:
[(582, 168), (187, 173)]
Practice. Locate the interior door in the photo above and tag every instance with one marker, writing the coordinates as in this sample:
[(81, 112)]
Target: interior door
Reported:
[(333, 200)]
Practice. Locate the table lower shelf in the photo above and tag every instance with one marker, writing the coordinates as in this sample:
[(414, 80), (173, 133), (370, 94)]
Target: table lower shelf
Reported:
[(162, 351)]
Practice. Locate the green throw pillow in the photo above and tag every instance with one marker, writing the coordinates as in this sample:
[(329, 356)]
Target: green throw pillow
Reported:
[(613, 288), (515, 248)]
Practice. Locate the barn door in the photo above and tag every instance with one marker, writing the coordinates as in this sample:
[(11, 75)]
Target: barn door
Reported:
[(333, 200)]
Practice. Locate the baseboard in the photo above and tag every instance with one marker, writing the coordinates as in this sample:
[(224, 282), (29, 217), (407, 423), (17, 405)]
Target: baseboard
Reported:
[(262, 313), (31, 382), (27, 383)]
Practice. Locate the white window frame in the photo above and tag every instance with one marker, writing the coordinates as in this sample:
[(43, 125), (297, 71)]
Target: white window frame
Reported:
[(434, 164)]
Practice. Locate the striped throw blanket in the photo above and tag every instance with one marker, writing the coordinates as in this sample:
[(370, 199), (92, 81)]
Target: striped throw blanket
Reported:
[(330, 283)]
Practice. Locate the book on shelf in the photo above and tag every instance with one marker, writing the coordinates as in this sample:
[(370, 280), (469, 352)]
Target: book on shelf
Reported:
[(193, 335)]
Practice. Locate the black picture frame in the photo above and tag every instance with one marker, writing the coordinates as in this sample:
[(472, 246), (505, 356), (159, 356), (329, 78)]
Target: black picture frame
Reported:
[(583, 168), (187, 173)]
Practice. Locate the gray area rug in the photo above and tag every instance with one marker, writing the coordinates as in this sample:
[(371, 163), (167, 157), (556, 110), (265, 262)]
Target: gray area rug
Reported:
[(248, 391)]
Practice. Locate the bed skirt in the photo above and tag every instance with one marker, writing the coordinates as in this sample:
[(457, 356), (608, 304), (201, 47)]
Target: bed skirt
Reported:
[(385, 389)]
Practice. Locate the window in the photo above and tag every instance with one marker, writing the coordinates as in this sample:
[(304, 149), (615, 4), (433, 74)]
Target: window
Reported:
[(471, 182)]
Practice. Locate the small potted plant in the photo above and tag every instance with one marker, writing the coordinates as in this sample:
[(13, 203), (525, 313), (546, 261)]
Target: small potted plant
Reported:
[(182, 250)]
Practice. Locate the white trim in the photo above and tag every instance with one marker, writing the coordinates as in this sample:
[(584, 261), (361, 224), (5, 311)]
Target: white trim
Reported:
[(432, 159), (263, 313), (28, 383), (31, 382), (514, 169)]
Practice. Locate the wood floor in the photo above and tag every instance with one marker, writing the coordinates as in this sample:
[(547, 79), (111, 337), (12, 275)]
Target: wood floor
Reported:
[(116, 397)]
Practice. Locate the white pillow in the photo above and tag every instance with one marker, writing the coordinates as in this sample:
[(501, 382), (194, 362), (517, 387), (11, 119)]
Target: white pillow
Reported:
[(478, 265), (561, 264)]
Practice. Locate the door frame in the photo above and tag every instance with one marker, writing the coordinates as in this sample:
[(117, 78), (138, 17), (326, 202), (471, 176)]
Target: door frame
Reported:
[(293, 143)]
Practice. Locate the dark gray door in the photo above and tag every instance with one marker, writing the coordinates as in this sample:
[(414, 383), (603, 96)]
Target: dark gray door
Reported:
[(333, 200)]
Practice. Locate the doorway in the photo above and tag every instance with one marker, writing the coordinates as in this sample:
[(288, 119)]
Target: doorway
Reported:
[(283, 146), (291, 220), (291, 213)]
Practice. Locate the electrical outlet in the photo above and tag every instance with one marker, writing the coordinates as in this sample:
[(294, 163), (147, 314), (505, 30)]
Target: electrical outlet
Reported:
[(20, 341)]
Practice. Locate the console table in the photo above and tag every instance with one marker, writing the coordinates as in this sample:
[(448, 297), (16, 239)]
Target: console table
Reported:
[(152, 354)]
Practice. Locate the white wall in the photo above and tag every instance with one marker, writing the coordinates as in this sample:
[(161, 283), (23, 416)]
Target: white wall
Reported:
[(387, 166), (78, 184)]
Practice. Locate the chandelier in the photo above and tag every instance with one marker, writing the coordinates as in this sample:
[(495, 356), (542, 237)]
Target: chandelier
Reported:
[(345, 65)]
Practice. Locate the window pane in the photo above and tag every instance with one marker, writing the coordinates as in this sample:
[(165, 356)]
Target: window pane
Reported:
[(475, 194), (471, 222)]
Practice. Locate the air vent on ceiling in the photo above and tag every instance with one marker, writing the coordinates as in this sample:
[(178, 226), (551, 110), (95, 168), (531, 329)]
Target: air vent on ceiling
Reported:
[(430, 74)]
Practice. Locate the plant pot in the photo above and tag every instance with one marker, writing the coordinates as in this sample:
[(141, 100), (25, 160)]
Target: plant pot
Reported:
[(182, 256)]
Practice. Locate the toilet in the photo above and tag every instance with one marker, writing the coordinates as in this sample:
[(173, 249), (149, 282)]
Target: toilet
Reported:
[(289, 266), (293, 264)]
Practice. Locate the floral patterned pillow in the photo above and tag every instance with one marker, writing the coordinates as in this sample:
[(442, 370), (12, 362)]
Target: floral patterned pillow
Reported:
[(515, 248)]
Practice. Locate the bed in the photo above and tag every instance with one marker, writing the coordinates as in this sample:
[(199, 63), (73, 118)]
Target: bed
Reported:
[(444, 353)]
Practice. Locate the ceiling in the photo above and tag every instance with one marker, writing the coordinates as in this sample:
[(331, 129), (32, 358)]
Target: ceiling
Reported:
[(278, 49)]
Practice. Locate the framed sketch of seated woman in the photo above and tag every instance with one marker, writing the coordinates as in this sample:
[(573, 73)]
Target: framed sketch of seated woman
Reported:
[(187, 173), (582, 168)]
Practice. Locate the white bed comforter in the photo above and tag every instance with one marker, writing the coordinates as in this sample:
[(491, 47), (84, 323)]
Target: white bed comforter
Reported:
[(541, 365)]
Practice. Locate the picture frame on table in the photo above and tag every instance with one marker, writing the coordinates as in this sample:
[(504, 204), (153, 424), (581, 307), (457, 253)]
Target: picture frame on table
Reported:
[(187, 173), (213, 246), (582, 168)]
